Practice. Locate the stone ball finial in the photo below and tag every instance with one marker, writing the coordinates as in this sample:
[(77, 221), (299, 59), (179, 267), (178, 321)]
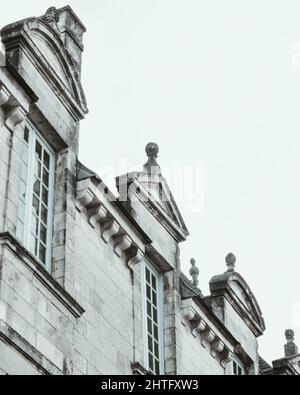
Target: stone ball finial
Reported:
[(290, 349), (289, 335), (230, 261), (194, 272), (152, 167), (152, 150)]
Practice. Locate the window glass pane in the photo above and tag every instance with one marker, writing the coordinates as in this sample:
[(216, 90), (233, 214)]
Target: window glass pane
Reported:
[(154, 314), (155, 332), (149, 309), (36, 206), (157, 367), (153, 282), (149, 326), (156, 352), (37, 187), (44, 214), (45, 196), (148, 292), (147, 276), (150, 343), (46, 160), (151, 362), (45, 177), (26, 135), (154, 298), (38, 150), (43, 234)]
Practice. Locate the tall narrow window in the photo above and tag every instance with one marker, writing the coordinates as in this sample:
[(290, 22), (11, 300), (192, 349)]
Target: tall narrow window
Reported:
[(238, 369), (153, 320), (35, 211)]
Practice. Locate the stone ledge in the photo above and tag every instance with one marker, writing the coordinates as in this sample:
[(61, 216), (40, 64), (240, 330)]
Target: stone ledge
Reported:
[(12, 338), (139, 370), (9, 241)]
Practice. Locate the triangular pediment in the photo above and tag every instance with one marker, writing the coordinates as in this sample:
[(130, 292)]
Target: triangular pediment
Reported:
[(154, 193)]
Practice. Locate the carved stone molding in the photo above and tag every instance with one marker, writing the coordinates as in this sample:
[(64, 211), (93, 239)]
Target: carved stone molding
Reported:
[(4, 95), (218, 345), (226, 357), (98, 216), (199, 328), (122, 243), (209, 336), (135, 259), (85, 197), (15, 116), (101, 214), (189, 313), (110, 229)]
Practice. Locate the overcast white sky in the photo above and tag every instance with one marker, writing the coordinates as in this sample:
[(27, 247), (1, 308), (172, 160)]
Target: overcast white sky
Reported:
[(217, 85)]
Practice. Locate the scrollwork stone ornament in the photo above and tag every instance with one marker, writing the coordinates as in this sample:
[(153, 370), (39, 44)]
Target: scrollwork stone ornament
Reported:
[(51, 18)]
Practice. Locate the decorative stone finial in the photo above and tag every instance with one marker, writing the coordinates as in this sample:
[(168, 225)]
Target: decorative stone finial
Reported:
[(152, 150), (290, 349), (194, 272), (230, 261), (51, 18), (51, 15)]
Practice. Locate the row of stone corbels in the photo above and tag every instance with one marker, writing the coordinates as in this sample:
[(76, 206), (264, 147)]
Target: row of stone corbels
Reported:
[(14, 113), (201, 329), (112, 232)]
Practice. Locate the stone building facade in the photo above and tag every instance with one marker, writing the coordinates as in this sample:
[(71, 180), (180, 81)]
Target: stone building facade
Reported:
[(90, 283)]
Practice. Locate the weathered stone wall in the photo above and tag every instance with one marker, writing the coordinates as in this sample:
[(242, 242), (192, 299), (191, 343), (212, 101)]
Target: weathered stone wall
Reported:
[(85, 317), (105, 339), (201, 362)]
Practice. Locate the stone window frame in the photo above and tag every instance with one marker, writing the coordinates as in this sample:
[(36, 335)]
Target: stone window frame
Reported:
[(35, 135)]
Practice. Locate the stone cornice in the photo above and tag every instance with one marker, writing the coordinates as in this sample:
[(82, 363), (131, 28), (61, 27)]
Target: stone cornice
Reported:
[(221, 344), (9, 336), (105, 217), (139, 370), (15, 247), (201, 328), (14, 117), (284, 367)]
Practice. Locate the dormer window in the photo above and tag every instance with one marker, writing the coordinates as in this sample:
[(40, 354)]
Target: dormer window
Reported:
[(35, 211)]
